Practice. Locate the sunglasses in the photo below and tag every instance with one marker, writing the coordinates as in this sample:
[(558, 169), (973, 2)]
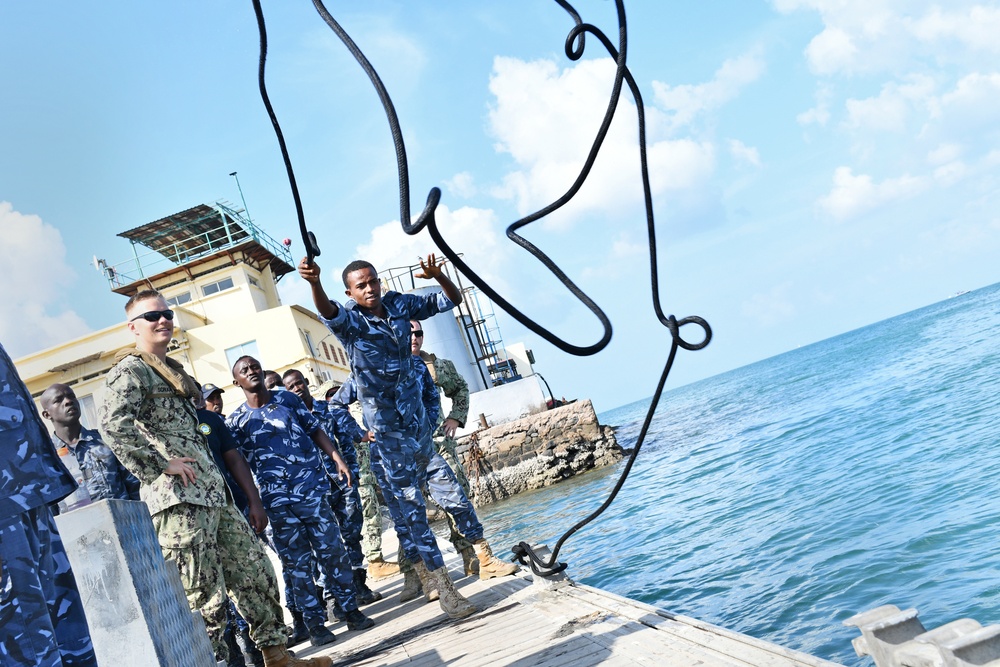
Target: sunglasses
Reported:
[(417, 333), (155, 315)]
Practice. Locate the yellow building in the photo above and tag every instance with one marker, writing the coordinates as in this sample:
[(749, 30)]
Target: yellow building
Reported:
[(219, 272)]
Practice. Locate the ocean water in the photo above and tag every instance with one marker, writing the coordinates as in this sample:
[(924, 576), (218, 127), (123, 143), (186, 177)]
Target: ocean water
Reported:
[(781, 498)]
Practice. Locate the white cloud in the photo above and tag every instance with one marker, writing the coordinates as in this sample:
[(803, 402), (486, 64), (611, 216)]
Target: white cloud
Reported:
[(863, 36), (546, 118), (471, 232), (976, 27), (830, 51), (852, 195), (744, 153), (890, 111), (819, 114), (462, 185), (688, 101), (944, 153), (974, 103), (32, 314)]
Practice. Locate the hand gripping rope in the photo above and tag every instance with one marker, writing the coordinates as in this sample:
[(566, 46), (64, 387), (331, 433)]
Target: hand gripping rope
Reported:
[(574, 48)]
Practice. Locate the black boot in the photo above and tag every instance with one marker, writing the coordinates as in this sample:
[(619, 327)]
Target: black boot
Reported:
[(334, 612), (252, 656), (358, 621), (298, 633), (320, 635), (365, 594)]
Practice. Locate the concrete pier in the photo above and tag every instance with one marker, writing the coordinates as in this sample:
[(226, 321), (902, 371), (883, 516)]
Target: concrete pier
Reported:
[(135, 604)]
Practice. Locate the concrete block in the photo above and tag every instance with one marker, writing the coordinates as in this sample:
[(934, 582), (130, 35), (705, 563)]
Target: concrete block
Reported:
[(134, 600)]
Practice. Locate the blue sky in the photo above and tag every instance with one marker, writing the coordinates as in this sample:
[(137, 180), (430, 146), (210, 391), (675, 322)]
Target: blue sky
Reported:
[(817, 165)]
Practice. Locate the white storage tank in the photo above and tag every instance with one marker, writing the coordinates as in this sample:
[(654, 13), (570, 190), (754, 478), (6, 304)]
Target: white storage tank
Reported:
[(445, 337)]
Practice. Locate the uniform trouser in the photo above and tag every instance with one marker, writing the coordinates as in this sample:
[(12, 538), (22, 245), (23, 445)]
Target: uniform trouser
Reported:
[(371, 534), (304, 531), (42, 623), (346, 504), (400, 464), (445, 446), (215, 551), (443, 487)]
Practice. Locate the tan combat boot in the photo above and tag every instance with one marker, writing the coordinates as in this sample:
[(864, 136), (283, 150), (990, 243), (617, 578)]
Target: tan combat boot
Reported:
[(469, 561), (427, 581), (380, 569), (412, 588), (277, 656), (452, 602), (489, 565)]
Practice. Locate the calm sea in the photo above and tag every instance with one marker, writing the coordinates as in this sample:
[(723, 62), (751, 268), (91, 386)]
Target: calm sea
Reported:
[(781, 498)]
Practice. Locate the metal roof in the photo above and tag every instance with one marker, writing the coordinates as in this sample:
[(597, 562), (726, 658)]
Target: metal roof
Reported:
[(183, 236)]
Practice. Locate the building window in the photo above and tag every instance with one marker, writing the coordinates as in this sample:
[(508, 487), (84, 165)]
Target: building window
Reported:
[(234, 353), (88, 411), (253, 281), (179, 300), (309, 343), (212, 288)]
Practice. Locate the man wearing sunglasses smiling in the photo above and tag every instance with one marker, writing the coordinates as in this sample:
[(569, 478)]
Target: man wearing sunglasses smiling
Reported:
[(149, 421)]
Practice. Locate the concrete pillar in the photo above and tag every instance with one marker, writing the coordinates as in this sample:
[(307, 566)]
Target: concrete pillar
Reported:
[(135, 603)]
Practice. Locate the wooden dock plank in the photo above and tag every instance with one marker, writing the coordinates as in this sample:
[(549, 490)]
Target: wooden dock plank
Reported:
[(524, 625)]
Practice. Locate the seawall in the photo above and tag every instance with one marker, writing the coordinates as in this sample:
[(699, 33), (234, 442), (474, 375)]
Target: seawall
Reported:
[(536, 451)]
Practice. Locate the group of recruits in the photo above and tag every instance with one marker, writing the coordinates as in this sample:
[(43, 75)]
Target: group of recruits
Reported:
[(295, 468)]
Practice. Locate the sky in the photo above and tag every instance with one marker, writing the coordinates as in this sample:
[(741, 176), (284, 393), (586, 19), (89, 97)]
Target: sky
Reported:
[(816, 165)]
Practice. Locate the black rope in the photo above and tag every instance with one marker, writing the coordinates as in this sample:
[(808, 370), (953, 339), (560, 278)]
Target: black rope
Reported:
[(574, 49), (308, 238)]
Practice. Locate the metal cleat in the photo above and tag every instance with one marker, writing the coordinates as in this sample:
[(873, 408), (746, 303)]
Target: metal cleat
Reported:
[(980, 647), (883, 630), (925, 650)]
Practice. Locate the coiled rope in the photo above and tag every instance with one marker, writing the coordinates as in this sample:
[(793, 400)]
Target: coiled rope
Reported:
[(574, 49)]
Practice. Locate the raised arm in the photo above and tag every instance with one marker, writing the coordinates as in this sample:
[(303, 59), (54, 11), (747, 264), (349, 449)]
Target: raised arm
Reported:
[(310, 273)]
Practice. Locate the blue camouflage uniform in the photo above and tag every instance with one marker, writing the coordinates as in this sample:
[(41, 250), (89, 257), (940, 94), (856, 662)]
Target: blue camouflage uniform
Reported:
[(276, 441), (345, 500), (389, 392), (104, 474), (42, 621)]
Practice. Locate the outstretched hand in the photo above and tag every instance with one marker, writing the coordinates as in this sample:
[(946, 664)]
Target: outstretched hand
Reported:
[(309, 270), (431, 268)]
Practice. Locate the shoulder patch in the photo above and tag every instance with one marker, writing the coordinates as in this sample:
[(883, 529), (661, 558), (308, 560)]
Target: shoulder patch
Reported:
[(205, 429)]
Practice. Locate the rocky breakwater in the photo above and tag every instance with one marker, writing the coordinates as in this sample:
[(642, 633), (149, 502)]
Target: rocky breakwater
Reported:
[(536, 451)]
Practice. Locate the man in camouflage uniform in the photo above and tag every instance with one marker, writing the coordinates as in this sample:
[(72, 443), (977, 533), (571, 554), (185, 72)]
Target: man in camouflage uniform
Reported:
[(42, 622), (344, 498), (149, 420), (105, 476), (375, 332), (282, 441), (451, 383)]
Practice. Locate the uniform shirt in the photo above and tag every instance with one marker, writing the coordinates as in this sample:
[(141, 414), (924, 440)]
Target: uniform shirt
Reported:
[(31, 474), (147, 421), (221, 440), (429, 395), (342, 429), (103, 473), (381, 361), (276, 440), (452, 385)]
